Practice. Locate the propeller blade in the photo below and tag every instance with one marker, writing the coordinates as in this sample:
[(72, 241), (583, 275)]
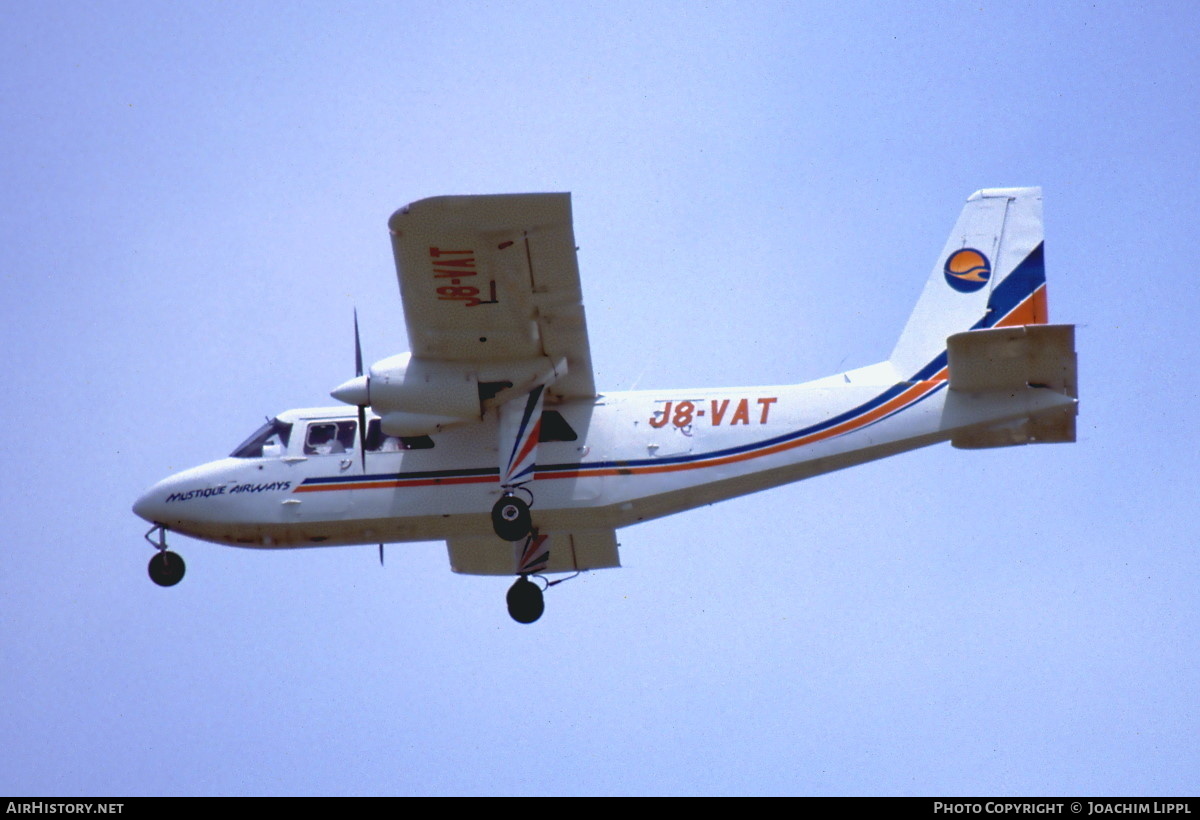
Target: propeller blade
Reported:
[(362, 410), (357, 347), (362, 435), (381, 555)]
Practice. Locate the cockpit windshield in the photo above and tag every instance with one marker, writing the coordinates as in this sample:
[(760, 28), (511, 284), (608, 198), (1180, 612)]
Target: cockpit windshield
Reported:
[(273, 432)]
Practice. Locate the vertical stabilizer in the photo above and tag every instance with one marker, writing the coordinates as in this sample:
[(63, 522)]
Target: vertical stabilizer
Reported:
[(989, 274)]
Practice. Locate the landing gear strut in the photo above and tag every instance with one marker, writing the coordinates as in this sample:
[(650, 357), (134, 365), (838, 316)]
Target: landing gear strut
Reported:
[(166, 567), (525, 602), (511, 519)]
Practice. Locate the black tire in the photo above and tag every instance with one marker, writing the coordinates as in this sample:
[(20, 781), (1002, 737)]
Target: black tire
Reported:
[(525, 601), (166, 569), (511, 519)]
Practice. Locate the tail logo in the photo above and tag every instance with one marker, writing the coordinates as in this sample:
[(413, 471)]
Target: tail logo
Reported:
[(967, 270)]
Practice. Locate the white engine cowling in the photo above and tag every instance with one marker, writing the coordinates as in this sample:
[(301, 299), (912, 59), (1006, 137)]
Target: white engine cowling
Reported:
[(417, 397), (400, 423)]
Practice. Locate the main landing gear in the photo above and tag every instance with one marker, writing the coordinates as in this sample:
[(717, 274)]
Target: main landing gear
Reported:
[(525, 602), (166, 567), (511, 519)]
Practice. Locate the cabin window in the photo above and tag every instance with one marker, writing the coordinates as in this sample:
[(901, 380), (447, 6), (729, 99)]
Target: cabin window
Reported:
[(377, 442), (330, 437), (555, 428), (274, 432)]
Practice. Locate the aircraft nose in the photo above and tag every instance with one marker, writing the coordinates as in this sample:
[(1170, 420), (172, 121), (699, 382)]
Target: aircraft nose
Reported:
[(149, 505)]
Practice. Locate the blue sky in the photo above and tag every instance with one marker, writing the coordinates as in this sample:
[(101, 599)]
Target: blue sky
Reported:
[(195, 198)]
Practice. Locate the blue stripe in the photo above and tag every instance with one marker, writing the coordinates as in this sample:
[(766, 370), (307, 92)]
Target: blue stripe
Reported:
[(1018, 286), (529, 405), (932, 369), (849, 415), (464, 473)]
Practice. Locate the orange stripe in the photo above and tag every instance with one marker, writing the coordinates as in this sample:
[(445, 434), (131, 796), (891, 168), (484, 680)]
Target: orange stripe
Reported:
[(530, 443), (405, 482), (1032, 311), (908, 396), (916, 391)]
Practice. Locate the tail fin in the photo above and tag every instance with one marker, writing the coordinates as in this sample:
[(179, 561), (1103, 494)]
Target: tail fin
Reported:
[(990, 274)]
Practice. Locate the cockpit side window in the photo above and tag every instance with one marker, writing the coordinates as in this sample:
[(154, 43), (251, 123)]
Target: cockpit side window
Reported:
[(329, 437), (274, 432)]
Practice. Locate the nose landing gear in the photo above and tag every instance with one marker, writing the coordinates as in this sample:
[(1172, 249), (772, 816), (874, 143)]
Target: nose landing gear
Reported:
[(166, 567)]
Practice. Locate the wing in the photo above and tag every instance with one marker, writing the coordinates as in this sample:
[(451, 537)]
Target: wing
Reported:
[(493, 279)]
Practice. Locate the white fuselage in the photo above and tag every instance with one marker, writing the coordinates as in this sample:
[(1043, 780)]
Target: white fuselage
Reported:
[(635, 456)]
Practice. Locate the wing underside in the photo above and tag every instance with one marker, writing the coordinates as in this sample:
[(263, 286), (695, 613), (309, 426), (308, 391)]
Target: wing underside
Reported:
[(567, 552), (494, 279)]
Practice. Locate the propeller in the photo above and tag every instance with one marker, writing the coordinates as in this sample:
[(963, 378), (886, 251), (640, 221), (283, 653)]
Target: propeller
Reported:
[(362, 408)]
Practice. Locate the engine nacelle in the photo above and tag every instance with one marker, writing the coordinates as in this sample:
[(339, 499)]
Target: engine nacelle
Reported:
[(420, 397), (400, 423), (417, 397)]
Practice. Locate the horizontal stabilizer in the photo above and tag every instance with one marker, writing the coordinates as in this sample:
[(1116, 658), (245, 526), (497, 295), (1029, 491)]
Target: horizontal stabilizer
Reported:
[(569, 552), (1014, 361), (1012, 357)]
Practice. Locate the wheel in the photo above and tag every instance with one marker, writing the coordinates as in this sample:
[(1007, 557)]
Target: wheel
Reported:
[(166, 569), (525, 602), (510, 518)]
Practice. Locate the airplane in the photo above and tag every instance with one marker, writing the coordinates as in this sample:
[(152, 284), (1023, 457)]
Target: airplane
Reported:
[(490, 434)]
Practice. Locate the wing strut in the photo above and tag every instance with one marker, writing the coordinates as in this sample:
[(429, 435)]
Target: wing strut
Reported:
[(520, 426), (520, 429)]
